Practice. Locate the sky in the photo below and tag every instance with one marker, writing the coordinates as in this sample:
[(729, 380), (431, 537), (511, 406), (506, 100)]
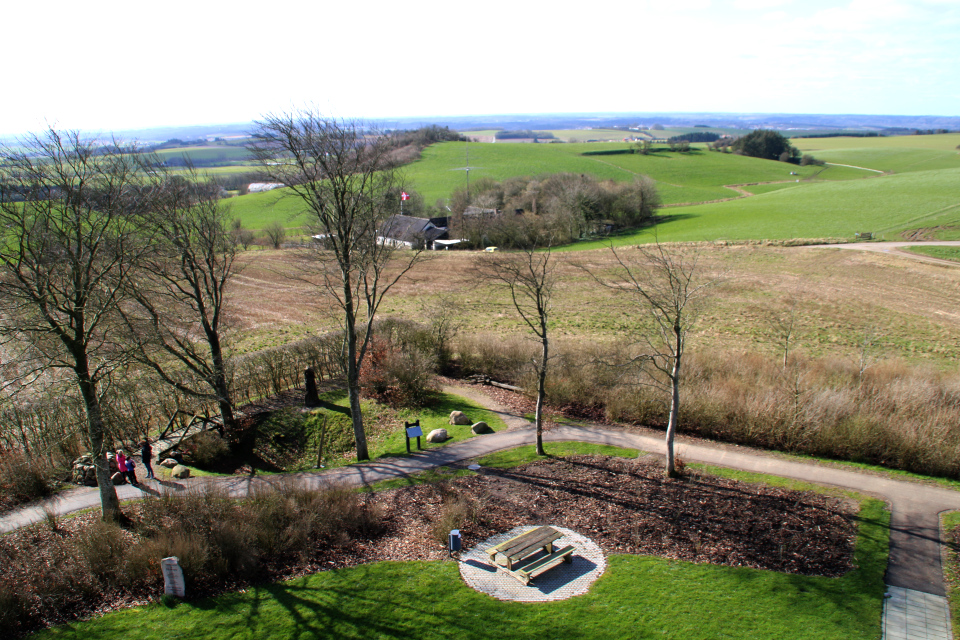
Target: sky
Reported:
[(106, 65)]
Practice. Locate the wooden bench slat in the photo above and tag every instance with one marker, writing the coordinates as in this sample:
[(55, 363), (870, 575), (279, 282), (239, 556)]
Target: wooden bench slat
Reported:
[(517, 553), (526, 574)]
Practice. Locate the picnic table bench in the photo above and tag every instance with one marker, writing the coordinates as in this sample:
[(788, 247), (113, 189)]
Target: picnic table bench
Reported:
[(517, 549)]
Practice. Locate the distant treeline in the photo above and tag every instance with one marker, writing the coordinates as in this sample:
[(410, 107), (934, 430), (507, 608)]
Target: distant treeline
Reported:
[(903, 131), (840, 134), (608, 152), (696, 136), (522, 133)]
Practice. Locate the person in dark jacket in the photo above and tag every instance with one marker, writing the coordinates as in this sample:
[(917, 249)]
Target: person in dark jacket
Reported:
[(146, 455)]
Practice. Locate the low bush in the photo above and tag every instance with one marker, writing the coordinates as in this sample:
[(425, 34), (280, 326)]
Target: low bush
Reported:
[(23, 480), (63, 572), (457, 511), (401, 364), (206, 450)]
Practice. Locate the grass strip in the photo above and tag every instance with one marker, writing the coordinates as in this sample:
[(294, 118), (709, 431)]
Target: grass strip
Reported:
[(528, 453), (951, 567)]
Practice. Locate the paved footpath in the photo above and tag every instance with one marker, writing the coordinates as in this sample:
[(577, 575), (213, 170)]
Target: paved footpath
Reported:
[(915, 546)]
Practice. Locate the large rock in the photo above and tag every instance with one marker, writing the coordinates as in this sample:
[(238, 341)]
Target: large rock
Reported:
[(457, 417), (438, 435), (84, 472), (481, 428), (169, 463), (118, 478), (180, 472)]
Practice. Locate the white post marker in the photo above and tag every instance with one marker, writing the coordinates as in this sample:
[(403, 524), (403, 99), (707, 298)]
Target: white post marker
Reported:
[(172, 577)]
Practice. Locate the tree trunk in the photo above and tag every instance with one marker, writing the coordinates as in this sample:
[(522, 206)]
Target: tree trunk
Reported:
[(353, 387), (674, 408), (541, 395), (224, 401), (109, 503)]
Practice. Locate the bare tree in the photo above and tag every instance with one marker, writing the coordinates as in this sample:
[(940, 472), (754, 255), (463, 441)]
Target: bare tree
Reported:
[(669, 288), (784, 323), (341, 172), (67, 213), (180, 292), (529, 277), (276, 232)]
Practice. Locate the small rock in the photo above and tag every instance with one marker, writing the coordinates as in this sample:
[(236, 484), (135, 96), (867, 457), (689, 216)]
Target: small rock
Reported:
[(180, 472), (457, 417), (118, 478), (438, 435), (169, 463), (480, 428)]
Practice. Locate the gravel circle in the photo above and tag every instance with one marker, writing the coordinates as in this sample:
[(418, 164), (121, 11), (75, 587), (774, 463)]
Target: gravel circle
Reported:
[(559, 583)]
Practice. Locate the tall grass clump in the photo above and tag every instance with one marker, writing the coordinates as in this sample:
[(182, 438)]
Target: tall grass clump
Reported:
[(23, 480), (888, 413), (502, 358)]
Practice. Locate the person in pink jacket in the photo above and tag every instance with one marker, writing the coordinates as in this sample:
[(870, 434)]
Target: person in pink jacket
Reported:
[(126, 467)]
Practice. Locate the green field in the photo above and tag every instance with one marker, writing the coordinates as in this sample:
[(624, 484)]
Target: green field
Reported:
[(944, 253), (256, 210), (213, 153), (697, 176), (819, 202), (890, 154), (884, 206)]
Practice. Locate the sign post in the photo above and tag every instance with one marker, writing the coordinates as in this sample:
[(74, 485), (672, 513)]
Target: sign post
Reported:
[(172, 577), (413, 431)]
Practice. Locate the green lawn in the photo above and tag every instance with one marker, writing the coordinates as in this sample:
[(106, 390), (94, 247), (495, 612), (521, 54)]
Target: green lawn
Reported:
[(951, 567), (637, 597), (392, 443)]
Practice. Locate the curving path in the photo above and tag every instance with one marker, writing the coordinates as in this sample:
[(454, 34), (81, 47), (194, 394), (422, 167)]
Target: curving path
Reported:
[(914, 538), (895, 248)]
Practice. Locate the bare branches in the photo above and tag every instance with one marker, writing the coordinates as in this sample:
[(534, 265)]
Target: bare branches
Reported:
[(529, 277), (69, 248), (180, 292), (669, 288), (341, 172)]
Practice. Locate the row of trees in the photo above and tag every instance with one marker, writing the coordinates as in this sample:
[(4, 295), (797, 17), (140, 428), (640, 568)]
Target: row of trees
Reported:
[(107, 261), (668, 287), (564, 206)]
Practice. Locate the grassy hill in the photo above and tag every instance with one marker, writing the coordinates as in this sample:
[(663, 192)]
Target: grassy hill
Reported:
[(891, 154), (818, 202), (697, 176), (885, 206)]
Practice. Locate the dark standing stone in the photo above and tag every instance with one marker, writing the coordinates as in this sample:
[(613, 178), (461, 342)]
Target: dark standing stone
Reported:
[(313, 398)]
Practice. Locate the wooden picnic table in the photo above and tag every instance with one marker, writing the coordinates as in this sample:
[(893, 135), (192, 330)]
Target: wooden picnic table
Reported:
[(518, 548)]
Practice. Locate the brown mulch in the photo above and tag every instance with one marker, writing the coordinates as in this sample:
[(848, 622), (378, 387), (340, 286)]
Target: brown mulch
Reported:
[(624, 505)]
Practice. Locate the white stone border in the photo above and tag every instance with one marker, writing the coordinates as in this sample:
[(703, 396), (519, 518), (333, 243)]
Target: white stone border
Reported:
[(559, 583)]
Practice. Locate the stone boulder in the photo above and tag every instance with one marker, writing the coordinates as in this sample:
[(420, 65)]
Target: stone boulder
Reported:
[(84, 472), (438, 435), (180, 472), (457, 417), (169, 463), (118, 478), (481, 428)]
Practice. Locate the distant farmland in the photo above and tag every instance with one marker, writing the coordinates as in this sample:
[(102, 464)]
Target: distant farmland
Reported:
[(818, 202)]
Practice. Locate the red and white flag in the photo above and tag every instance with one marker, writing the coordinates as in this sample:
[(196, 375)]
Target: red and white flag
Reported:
[(404, 195)]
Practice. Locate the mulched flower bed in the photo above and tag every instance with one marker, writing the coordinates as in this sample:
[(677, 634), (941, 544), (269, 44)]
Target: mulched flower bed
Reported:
[(624, 505)]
